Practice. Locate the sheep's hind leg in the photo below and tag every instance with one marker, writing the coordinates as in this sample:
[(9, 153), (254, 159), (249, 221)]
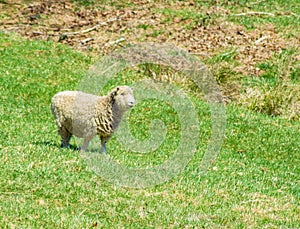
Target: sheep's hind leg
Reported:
[(65, 136)]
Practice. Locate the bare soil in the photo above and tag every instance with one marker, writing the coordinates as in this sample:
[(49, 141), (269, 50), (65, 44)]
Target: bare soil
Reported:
[(103, 28)]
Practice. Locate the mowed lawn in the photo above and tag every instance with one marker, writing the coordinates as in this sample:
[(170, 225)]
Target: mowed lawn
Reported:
[(254, 183)]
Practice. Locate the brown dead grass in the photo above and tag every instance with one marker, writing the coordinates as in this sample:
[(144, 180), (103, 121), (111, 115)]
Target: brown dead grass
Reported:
[(104, 28), (57, 20), (260, 206)]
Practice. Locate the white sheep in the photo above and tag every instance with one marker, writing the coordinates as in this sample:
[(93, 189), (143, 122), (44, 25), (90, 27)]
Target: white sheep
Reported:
[(86, 115)]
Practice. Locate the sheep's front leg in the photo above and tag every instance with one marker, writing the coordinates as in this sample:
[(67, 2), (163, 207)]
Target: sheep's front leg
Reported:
[(103, 145)]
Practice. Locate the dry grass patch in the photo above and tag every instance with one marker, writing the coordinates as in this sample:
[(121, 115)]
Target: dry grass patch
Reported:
[(283, 100), (267, 208)]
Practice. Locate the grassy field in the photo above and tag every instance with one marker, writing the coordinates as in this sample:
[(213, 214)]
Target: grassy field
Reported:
[(254, 182)]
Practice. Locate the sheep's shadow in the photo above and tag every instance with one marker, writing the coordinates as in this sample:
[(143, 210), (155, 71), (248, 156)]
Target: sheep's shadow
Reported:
[(58, 146), (55, 145)]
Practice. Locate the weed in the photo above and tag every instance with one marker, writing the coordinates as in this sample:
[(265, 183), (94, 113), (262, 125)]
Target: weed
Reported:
[(276, 92), (144, 26)]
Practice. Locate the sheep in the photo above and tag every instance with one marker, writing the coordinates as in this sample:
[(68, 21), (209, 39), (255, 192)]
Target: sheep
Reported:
[(87, 115)]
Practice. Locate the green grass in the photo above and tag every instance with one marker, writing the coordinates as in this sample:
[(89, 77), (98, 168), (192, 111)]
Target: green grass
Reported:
[(254, 182), (286, 12)]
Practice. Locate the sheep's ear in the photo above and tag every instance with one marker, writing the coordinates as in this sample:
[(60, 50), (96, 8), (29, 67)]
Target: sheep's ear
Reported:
[(115, 91)]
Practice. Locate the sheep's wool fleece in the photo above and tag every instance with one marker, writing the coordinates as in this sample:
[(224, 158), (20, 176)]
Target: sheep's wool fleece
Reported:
[(82, 114)]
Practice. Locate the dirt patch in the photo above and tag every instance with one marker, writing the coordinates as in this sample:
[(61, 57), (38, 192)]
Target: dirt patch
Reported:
[(103, 28), (230, 50)]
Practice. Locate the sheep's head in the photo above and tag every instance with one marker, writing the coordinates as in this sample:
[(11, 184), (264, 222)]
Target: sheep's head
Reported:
[(123, 97)]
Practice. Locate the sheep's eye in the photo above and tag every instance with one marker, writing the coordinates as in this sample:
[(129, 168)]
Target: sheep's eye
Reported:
[(122, 93)]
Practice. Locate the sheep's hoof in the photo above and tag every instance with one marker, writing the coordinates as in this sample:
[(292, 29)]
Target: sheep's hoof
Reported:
[(62, 145), (103, 151)]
